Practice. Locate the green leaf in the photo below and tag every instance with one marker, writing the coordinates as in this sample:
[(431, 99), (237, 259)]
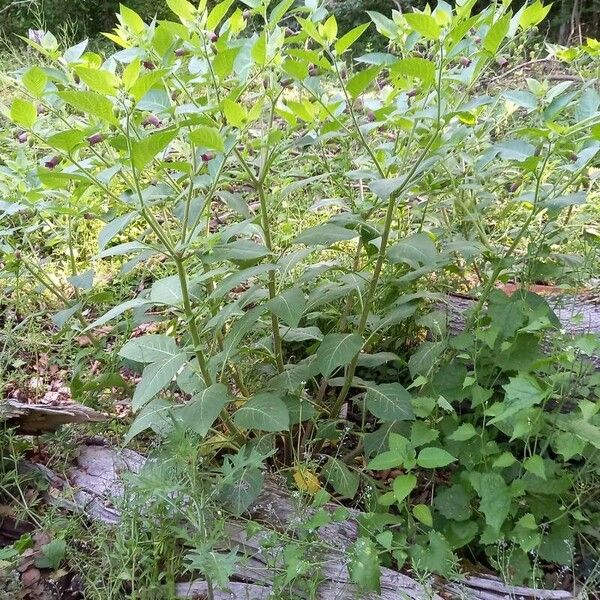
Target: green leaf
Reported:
[(463, 433), (143, 151), (155, 416), (515, 150), (434, 458), (52, 555), (422, 513), (533, 14), (98, 80), (535, 464), (453, 502), (416, 250), (496, 34), (349, 38), (364, 565), (384, 188), (325, 235), (240, 250), (215, 16), (183, 9), (521, 98), (424, 24), (132, 19), (435, 557), (291, 379), (155, 378), (116, 311), (299, 408), (259, 50), (91, 103), (167, 291), (495, 497), (202, 410), (264, 412), (23, 113), (208, 137), (344, 481), (114, 227), (523, 391), (35, 79), (403, 485), (289, 306), (385, 460), (330, 29), (359, 82), (66, 140), (224, 61), (506, 459), (389, 402), (385, 26), (239, 495), (337, 350), (145, 82), (149, 348), (280, 10), (416, 67), (235, 279)]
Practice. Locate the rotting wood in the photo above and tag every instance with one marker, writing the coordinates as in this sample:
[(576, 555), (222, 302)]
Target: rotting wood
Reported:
[(578, 315), (36, 419), (96, 480)]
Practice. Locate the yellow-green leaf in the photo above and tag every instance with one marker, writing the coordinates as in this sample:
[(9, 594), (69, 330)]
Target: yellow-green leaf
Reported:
[(208, 137), (35, 80), (98, 80), (349, 38), (23, 113), (424, 24)]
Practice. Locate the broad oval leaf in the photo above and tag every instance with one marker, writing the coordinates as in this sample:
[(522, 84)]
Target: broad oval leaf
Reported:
[(434, 458), (337, 350), (156, 377), (389, 402), (403, 485), (344, 481), (265, 412), (289, 306), (149, 348), (202, 410)]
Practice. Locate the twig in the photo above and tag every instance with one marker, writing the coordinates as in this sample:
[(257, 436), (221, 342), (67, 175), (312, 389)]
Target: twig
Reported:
[(520, 66)]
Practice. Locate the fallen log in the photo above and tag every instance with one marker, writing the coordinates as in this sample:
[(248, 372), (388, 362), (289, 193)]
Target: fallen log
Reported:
[(36, 419), (578, 315), (96, 481)]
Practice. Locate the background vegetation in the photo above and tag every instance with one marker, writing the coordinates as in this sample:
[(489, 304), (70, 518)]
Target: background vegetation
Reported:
[(89, 17)]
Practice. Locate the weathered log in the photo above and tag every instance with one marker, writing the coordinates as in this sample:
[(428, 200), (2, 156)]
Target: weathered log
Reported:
[(96, 481), (198, 590), (578, 315), (36, 419)]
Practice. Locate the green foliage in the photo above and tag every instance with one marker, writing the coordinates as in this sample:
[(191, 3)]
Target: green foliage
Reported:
[(275, 340)]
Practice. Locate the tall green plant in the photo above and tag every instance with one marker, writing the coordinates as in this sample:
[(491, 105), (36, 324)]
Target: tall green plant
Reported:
[(191, 115)]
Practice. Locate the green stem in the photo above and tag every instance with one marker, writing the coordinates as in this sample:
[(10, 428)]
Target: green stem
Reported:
[(191, 320), (195, 335), (258, 183)]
